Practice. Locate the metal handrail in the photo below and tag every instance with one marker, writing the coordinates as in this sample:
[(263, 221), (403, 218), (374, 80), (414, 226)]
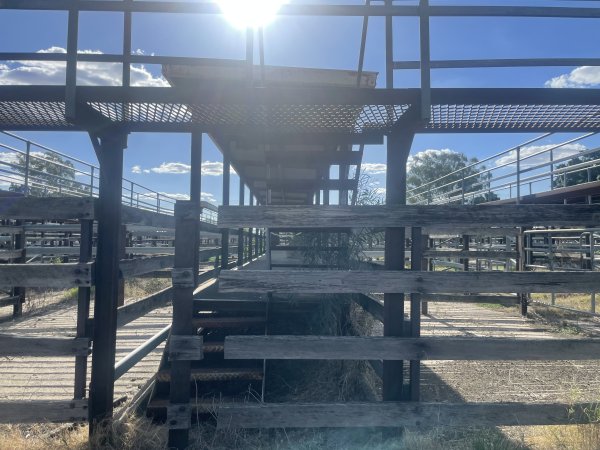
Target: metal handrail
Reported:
[(27, 177)]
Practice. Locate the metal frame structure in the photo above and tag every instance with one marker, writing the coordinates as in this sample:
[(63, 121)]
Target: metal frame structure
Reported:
[(340, 116)]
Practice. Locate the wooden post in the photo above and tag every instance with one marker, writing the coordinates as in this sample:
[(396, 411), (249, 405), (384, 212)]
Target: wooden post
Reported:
[(83, 307), (122, 255), (465, 247), (427, 264), (20, 243), (179, 413), (240, 249), (416, 260), (196, 187), (398, 148), (109, 149), (521, 266), (225, 231)]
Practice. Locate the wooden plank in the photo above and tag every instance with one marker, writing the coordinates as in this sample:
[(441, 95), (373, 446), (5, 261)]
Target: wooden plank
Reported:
[(137, 216), (406, 216), (132, 311), (185, 348), (139, 266), (39, 411), (18, 345), (395, 348), (230, 305), (338, 282), (179, 416), (442, 230), (59, 276), (9, 301), (487, 254), (400, 414), (5, 255), (47, 208)]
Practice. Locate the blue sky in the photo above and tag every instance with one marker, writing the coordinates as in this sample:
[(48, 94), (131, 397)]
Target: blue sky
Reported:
[(310, 42)]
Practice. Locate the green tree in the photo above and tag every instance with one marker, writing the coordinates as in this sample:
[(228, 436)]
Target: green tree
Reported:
[(49, 175), (592, 173), (439, 175)]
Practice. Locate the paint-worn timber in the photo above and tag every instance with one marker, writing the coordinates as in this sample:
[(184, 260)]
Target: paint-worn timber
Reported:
[(395, 348), (296, 217), (392, 414), (336, 281), (58, 276)]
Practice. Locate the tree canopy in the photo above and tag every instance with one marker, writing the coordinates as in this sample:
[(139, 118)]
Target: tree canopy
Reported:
[(583, 176), (439, 174), (49, 174)]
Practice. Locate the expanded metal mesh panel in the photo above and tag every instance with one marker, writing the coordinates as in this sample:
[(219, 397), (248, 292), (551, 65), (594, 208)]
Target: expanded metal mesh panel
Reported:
[(32, 114), (339, 118), (517, 117)]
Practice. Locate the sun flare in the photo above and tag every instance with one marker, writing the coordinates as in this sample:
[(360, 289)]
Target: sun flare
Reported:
[(250, 13)]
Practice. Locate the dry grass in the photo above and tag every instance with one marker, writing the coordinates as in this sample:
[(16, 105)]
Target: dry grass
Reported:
[(134, 434)]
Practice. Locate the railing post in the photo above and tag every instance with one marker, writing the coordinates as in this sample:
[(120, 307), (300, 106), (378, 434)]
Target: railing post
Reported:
[(462, 188), (83, 307), (551, 169), (92, 181), (131, 193), (518, 175), (241, 240), (187, 214), (27, 166), (158, 202), (225, 231)]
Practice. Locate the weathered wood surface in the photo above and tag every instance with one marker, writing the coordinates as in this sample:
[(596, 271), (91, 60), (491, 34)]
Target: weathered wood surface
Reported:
[(406, 216), (133, 311), (179, 416), (139, 266), (493, 254), (394, 348), (9, 301), (230, 305), (16, 345), (37, 411), (5, 255), (136, 216), (185, 348), (392, 414), (324, 281), (436, 231), (48, 208), (59, 276)]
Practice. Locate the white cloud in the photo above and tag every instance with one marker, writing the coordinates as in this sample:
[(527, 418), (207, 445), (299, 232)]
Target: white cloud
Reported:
[(88, 73), (209, 168), (581, 77), (172, 168), (561, 152), (374, 168), (206, 196)]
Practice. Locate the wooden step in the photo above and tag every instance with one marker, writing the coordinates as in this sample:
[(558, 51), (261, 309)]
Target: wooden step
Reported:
[(228, 322), (229, 305), (216, 374)]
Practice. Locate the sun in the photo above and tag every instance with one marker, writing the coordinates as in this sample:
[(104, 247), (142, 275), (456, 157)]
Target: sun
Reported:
[(250, 13)]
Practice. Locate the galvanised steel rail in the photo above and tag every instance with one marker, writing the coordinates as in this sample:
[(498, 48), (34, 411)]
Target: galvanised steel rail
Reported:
[(73, 177), (477, 183)]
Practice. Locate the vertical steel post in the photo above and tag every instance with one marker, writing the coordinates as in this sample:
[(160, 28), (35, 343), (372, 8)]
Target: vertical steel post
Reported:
[(398, 148), (241, 243), (518, 175), (196, 189), (27, 166), (225, 231), (109, 149), (71, 71), (425, 60)]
